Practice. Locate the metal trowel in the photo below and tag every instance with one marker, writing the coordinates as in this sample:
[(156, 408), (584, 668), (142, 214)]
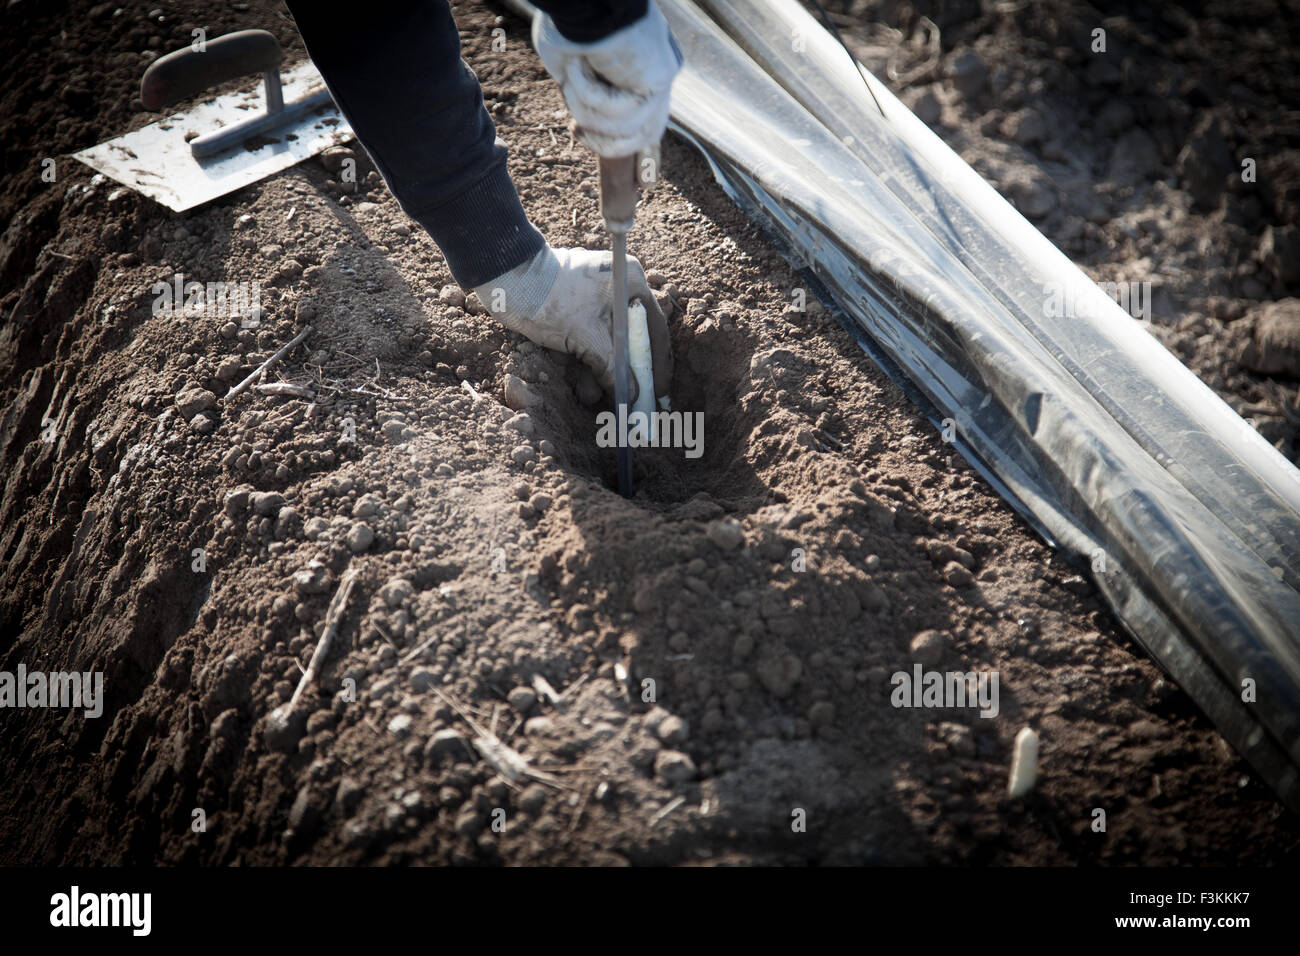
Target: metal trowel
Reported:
[(229, 141)]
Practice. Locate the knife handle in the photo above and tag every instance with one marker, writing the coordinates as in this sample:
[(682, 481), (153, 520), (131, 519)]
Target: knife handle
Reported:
[(185, 73), (618, 191)]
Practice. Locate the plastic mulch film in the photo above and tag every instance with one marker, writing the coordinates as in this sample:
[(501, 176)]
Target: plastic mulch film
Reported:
[(1188, 520)]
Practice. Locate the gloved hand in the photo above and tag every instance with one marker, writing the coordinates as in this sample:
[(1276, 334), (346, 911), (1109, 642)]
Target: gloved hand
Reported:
[(561, 298), (616, 88)]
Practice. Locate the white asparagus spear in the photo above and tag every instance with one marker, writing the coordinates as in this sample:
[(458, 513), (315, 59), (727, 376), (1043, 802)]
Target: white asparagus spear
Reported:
[(1024, 763)]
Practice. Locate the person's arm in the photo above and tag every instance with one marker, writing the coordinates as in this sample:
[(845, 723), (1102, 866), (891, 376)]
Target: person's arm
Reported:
[(416, 107)]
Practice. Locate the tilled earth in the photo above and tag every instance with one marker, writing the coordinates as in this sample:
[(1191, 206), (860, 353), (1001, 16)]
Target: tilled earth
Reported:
[(701, 674)]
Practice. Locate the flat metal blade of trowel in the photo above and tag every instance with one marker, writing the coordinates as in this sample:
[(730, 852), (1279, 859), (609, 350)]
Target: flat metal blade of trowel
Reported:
[(255, 133)]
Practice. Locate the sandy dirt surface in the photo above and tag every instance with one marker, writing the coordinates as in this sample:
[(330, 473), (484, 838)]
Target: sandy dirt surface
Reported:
[(702, 674)]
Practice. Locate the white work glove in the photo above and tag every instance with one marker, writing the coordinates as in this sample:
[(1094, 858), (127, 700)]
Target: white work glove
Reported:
[(560, 299), (618, 87)]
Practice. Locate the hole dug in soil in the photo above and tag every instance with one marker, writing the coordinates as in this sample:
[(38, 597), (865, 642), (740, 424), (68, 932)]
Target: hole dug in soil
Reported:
[(710, 384)]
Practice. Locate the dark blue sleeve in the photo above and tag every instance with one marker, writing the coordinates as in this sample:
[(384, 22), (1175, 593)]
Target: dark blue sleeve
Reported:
[(396, 73), (586, 21)]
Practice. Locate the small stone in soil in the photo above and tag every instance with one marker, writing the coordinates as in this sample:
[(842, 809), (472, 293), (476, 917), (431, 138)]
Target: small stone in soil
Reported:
[(192, 401), (674, 766), (446, 746), (396, 591), (284, 728), (266, 503), (236, 501), (360, 537), (401, 725), (522, 699), (928, 648), (673, 730), (726, 534), (313, 579), (958, 576), (521, 423), (519, 394)]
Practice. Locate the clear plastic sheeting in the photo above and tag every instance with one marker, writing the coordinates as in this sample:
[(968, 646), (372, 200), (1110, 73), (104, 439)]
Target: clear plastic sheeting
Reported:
[(1188, 521)]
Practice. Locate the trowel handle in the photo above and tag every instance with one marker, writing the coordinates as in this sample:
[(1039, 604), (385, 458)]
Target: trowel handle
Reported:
[(185, 73), (618, 191)]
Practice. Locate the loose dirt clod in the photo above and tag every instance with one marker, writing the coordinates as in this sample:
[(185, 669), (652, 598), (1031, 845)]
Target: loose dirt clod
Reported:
[(1275, 348)]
